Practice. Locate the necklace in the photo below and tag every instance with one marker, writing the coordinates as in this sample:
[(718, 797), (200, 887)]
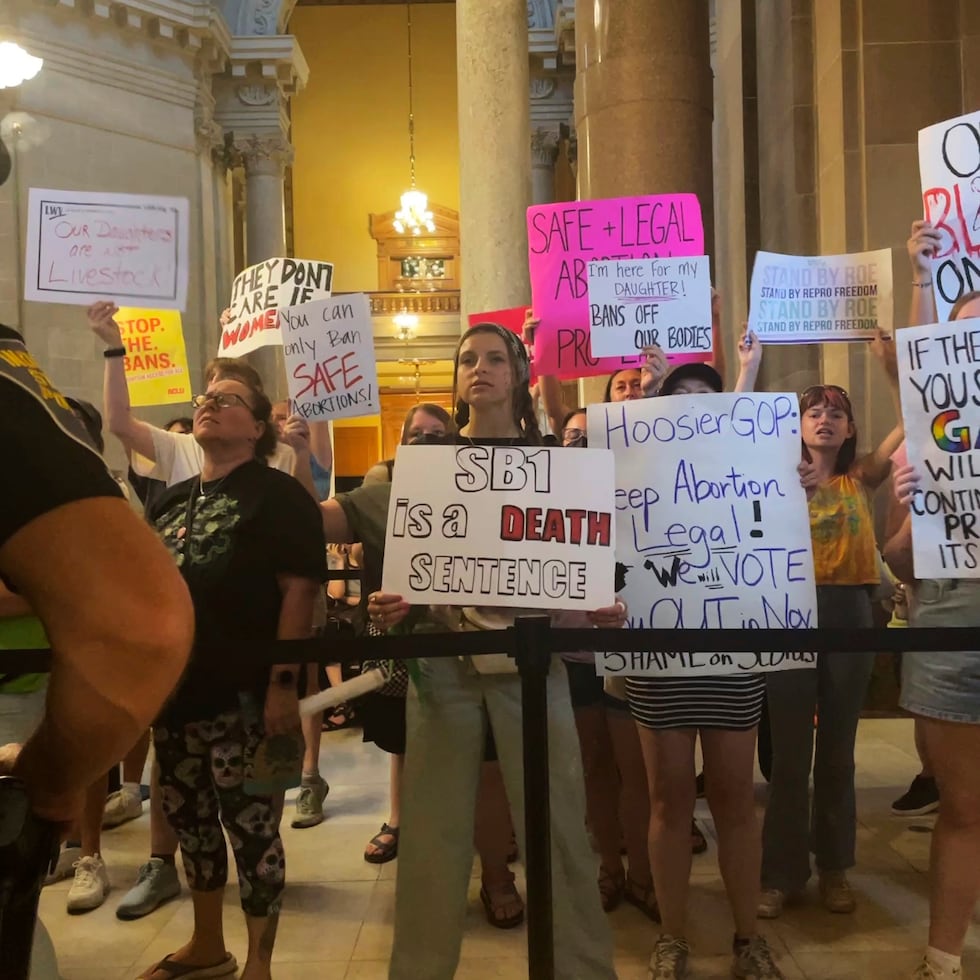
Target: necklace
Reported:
[(213, 488)]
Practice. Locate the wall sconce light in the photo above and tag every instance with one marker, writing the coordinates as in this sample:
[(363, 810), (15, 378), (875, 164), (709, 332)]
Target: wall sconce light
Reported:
[(405, 326)]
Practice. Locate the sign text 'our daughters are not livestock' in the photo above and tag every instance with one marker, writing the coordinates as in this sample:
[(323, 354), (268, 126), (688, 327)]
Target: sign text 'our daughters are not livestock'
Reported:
[(949, 168), (328, 347), (564, 238), (83, 246), (809, 299), (519, 526), (712, 526), (260, 290), (637, 303), (939, 372)]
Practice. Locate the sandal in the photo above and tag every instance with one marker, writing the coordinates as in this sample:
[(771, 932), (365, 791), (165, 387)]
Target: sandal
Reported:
[(345, 716), (386, 850), (611, 887), (642, 897), (495, 906), (699, 843), (170, 969)]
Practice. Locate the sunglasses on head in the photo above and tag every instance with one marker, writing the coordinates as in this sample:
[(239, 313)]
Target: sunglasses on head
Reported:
[(822, 388)]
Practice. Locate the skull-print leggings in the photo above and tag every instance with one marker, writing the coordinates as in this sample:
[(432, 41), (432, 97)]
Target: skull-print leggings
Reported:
[(202, 785)]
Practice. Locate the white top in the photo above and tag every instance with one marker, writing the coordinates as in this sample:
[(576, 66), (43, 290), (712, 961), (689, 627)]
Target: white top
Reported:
[(179, 457)]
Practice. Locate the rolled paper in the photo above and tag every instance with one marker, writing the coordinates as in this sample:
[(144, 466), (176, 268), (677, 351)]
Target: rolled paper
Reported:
[(373, 680)]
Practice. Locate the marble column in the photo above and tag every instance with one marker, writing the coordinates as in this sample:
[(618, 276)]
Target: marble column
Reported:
[(643, 99), (494, 152), (265, 157), (544, 153)]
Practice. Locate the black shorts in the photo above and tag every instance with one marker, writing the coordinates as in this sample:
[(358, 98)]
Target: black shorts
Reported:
[(383, 718), (587, 690)]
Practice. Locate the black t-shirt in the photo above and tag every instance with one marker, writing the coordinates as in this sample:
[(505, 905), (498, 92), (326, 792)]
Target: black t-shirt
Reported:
[(230, 545), (48, 460)]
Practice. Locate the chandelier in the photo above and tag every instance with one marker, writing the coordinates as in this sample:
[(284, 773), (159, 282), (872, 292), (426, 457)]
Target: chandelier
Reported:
[(16, 65), (414, 214)]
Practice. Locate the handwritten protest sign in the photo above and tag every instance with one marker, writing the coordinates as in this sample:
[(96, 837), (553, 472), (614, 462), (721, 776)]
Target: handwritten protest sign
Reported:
[(87, 246), (564, 238), (694, 664), (259, 291), (501, 526), (810, 299), (939, 372), (712, 528), (949, 168), (328, 348), (637, 303), (156, 359)]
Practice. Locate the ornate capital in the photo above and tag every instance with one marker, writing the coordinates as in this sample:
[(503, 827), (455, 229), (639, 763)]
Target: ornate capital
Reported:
[(264, 153), (544, 147), (542, 88), (257, 94)]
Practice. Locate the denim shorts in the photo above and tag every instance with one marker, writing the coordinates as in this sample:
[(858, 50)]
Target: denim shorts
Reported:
[(946, 684)]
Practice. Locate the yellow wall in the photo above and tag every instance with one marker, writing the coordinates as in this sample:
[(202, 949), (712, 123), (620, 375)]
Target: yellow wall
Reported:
[(350, 126)]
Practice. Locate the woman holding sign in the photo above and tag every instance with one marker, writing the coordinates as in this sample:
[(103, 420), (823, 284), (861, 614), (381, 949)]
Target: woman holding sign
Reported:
[(845, 557), (449, 709), (942, 690)]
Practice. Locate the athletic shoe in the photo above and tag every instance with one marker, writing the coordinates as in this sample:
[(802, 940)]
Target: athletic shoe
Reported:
[(309, 803), (91, 885), (65, 865), (669, 960), (121, 807), (920, 798), (927, 970), (771, 903), (753, 961), (836, 892), (157, 883)]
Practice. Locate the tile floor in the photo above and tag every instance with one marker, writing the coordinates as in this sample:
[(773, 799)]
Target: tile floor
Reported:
[(339, 908)]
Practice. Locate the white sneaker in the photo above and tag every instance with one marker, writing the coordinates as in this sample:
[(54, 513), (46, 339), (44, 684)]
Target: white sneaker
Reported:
[(91, 885), (929, 971), (120, 807), (65, 865)]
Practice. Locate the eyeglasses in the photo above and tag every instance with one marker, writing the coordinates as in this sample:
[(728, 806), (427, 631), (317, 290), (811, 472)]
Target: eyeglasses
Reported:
[(220, 400), (572, 435), (821, 388)]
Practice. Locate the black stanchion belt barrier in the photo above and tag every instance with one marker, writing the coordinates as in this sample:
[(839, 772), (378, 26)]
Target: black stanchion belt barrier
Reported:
[(532, 641)]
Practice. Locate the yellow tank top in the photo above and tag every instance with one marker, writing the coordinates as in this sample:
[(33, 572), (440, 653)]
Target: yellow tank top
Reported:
[(842, 532)]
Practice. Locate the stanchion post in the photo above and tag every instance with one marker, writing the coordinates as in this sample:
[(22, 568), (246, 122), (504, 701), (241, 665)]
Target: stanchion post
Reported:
[(533, 655)]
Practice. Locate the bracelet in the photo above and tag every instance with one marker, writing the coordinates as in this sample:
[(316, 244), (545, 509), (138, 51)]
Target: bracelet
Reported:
[(922, 285), (114, 352)]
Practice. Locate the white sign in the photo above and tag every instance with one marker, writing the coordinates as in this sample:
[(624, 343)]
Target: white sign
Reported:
[(518, 526), (328, 348), (637, 303), (259, 291), (814, 299), (712, 524), (125, 247), (688, 664), (940, 385), (949, 168)]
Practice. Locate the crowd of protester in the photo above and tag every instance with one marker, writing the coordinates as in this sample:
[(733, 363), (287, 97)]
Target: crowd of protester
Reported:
[(239, 496)]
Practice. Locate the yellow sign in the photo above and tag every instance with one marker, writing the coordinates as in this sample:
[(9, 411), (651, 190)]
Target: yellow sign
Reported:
[(156, 360)]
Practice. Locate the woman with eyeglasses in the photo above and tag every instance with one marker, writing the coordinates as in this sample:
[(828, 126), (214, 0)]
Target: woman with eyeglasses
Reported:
[(839, 487), (249, 544)]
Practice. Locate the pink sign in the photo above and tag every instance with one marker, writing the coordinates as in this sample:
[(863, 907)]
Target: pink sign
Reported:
[(563, 239)]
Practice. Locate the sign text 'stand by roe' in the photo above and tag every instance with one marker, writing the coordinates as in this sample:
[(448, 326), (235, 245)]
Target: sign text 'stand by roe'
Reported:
[(328, 347), (564, 238), (808, 299), (259, 291), (84, 246), (939, 372), (949, 168), (518, 526), (712, 524)]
